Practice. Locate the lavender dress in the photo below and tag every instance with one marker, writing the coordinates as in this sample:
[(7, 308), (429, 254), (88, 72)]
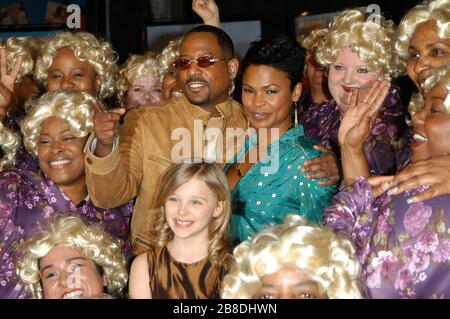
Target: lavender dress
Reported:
[(404, 249), (386, 148), (28, 198)]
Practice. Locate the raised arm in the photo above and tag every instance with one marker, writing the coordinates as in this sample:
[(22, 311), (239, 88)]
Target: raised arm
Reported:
[(7, 81), (208, 11), (355, 129)]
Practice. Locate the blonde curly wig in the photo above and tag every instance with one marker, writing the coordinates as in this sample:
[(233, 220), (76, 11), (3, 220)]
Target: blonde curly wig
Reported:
[(92, 240), (9, 144), (213, 176), (440, 76), (168, 55), (25, 47), (373, 42), (328, 259), (87, 48), (311, 41), (136, 66), (73, 107), (438, 11)]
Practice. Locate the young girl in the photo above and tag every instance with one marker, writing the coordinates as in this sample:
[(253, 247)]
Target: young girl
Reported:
[(191, 253)]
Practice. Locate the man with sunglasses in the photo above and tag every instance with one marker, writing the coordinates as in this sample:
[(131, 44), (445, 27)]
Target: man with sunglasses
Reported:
[(152, 139)]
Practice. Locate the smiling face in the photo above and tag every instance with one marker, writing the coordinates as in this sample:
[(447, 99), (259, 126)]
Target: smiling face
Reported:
[(68, 72), (347, 73), (267, 97), (190, 209), (67, 274), (60, 153), (288, 283), (209, 85), (143, 91), (427, 52), (431, 126)]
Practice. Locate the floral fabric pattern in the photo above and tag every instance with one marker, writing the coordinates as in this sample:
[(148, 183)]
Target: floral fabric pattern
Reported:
[(404, 249), (27, 199)]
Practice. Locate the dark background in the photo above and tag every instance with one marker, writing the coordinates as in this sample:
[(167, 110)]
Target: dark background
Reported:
[(128, 19)]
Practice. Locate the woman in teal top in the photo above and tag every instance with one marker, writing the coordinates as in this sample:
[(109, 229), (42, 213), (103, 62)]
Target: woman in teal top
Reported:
[(265, 176)]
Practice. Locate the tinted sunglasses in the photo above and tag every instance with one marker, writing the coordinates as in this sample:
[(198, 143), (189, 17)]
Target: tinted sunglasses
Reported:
[(203, 62)]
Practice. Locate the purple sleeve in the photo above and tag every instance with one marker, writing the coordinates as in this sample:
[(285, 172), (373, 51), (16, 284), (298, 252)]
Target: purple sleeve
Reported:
[(347, 205)]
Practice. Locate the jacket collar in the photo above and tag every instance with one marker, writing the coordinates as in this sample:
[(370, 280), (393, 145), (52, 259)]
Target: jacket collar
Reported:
[(225, 109)]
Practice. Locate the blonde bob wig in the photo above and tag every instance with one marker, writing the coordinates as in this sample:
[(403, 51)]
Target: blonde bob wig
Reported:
[(326, 257), (311, 41), (87, 48), (136, 66), (213, 176), (73, 107), (9, 144), (438, 10), (168, 55), (94, 243), (373, 42), (440, 76), (25, 47)]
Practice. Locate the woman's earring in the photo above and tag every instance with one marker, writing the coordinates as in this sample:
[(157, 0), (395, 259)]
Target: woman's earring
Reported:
[(295, 114)]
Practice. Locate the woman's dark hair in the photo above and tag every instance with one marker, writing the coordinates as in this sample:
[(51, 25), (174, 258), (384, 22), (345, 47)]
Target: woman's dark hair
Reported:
[(280, 53)]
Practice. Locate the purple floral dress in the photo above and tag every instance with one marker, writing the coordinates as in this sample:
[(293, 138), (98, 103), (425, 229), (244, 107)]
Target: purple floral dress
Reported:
[(386, 148), (404, 249), (28, 198)]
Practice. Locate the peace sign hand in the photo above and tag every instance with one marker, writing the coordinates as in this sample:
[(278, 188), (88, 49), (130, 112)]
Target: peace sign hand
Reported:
[(358, 119), (7, 82)]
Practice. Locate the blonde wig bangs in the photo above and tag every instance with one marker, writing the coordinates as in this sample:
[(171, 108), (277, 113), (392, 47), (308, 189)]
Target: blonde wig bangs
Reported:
[(328, 258), (25, 47), (92, 240), (440, 76), (87, 48), (73, 107), (9, 143), (438, 10), (135, 67), (373, 42), (311, 41), (168, 55)]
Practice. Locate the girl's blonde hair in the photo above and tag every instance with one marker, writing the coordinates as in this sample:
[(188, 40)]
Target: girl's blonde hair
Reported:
[(438, 10), (168, 55), (373, 42), (440, 76), (25, 47), (212, 175), (73, 107), (9, 144), (94, 243), (136, 66), (326, 257), (87, 48)]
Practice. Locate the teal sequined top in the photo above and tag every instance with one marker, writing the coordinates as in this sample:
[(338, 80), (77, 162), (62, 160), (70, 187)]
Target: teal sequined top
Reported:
[(266, 195)]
